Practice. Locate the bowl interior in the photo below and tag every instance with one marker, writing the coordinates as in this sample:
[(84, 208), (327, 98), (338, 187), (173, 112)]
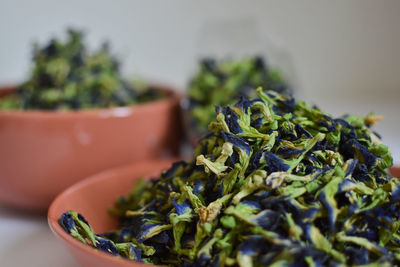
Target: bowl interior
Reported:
[(92, 198)]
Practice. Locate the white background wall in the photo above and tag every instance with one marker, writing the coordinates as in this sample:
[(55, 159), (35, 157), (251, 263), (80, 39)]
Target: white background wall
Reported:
[(346, 54)]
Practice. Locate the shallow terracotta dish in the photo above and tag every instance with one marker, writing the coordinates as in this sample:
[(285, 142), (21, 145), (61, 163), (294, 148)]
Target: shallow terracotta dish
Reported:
[(92, 197), (44, 152)]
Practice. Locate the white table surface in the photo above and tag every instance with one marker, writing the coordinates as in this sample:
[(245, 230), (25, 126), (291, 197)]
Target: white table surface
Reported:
[(26, 240)]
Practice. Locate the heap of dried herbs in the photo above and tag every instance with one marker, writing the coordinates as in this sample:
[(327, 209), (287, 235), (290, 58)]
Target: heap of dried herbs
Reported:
[(220, 83), (276, 183), (66, 76)]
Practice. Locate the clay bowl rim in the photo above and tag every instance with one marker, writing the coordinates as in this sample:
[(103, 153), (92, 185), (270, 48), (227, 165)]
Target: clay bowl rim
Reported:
[(58, 231), (172, 96)]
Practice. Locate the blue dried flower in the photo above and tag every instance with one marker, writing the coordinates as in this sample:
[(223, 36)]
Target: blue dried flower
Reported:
[(287, 152), (106, 246), (289, 104), (353, 149), (232, 120), (347, 185), (267, 219), (236, 141), (181, 208), (162, 238), (252, 245), (302, 132), (329, 125), (67, 222), (244, 104), (145, 230), (344, 123), (252, 204), (135, 253), (352, 163), (274, 163), (198, 186), (396, 194)]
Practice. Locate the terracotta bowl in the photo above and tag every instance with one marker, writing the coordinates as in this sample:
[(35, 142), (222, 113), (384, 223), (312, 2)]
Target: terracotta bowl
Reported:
[(44, 152), (83, 197), (395, 171), (92, 197)]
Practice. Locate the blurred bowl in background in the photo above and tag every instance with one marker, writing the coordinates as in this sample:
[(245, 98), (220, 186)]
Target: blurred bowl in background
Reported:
[(92, 197), (228, 65), (44, 152), (395, 171)]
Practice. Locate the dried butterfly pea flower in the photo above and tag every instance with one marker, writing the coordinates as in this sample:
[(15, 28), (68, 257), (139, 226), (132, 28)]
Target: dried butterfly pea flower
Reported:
[(298, 189), (66, 75), (76, 225), (220, 83)]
